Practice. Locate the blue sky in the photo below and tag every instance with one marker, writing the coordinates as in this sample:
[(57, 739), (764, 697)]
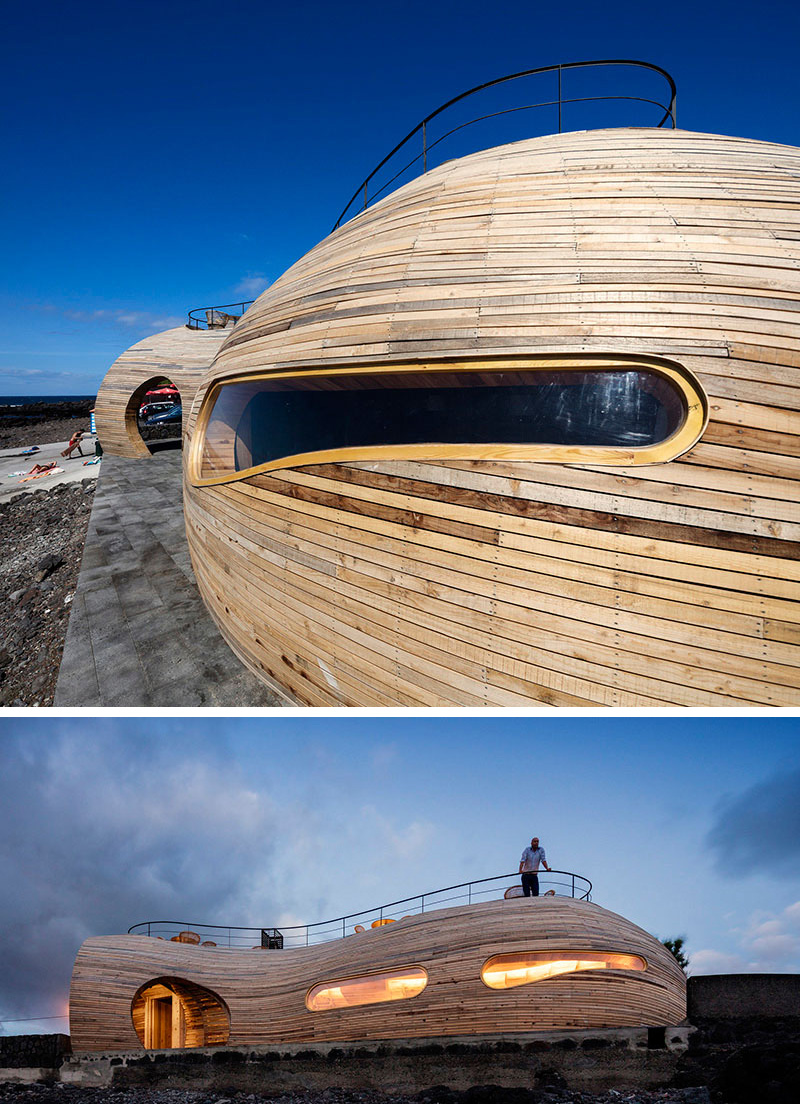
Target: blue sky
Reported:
[(166, 155), (687, 826)]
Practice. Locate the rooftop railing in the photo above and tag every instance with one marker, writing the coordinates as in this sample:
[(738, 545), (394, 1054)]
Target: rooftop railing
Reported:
[(562, 883), (226, 314), (217, 318), (558, 102)]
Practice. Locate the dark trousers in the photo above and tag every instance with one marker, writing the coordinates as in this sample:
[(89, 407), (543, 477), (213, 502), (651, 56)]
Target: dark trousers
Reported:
[(530, 884)]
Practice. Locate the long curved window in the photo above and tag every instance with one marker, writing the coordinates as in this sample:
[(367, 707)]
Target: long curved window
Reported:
[(389, 985), (508, 970), (587, 409)]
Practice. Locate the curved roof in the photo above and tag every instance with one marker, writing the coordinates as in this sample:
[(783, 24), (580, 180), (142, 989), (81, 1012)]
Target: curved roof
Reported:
[(476, 581), (629, 239), (266, 990)]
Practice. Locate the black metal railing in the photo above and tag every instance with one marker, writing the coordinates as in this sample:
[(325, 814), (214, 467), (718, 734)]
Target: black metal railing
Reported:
[(216, 318), (421, 129), (563, 883)]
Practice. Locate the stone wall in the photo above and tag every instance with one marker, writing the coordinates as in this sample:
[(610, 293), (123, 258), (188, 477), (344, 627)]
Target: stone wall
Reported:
[(742, 1041), (32, 1057), (587, 1060), (737, 996), (19, 1051)]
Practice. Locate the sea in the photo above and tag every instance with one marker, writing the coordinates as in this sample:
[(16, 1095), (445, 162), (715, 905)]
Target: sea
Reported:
[(25, 400)]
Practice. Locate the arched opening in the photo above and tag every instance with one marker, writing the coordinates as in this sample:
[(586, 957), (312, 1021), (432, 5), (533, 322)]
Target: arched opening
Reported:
[(172, 1013), (154, 414)]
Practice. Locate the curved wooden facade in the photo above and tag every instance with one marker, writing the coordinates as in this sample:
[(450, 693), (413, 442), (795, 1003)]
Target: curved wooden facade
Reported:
[(182, 355), (573, 579), (260, 997)]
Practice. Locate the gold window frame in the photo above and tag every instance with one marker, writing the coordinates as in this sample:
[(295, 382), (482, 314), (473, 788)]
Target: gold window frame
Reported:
[(391, 973), (553, 957), (680, 441)]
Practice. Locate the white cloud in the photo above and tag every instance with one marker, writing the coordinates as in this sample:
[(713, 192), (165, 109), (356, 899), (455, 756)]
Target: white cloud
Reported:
[(401, 841), (792, 914), (97, 834), (767, 943), (148, 320), (385, 757), (716, 962), (252, 285)]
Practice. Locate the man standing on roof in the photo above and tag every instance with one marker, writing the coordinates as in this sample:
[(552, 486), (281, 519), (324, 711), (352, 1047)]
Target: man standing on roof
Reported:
[(529, 867)]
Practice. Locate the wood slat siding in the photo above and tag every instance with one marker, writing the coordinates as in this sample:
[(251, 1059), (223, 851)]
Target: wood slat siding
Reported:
[(265, 991), (181, 355), (494, 583)]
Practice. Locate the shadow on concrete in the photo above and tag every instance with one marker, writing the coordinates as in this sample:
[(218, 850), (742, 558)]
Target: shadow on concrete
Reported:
[(139, 634), (164, 446)]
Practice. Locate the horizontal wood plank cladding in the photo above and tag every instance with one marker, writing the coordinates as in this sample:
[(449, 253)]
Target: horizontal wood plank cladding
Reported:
[(546, 659), (180, 354), (392, 582), (469, 504), (459, 611), (264, 991)]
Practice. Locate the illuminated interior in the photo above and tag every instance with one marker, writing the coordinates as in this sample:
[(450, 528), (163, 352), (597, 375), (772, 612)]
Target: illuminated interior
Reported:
[(172, 1013), (508, 970), (626, 412), (390, 985)]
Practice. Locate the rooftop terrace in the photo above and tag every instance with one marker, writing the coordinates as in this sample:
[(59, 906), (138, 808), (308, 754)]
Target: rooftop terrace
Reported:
[(559, 883)]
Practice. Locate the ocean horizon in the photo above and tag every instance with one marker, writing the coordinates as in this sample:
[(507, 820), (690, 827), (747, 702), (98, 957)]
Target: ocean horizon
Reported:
[(26, 400)]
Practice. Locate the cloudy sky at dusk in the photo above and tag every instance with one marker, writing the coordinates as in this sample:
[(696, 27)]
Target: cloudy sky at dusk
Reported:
[(162, 155), (687, 826)]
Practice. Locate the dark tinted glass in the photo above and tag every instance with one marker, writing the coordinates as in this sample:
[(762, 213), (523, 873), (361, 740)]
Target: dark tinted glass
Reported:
[(260, 421)]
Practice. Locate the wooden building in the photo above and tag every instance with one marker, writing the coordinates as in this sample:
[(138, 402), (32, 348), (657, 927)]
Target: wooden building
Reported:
[(181, 355), (517, 965), (525, 432)]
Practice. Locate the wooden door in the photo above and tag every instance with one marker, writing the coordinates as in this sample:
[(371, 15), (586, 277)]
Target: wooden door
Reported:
[(158, 1023)]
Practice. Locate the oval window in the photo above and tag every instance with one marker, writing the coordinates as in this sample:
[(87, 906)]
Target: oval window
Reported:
[(508, 970), (585, 410), (369, 989)]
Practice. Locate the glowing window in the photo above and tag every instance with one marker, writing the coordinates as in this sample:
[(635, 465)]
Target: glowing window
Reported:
[(507, 970), (592, 409), (370, 989)]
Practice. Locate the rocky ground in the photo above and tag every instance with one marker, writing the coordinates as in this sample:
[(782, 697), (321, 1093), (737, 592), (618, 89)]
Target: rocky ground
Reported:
[(51, 429), (41, 543), (32, 424), (485, 1094), (40, 556)]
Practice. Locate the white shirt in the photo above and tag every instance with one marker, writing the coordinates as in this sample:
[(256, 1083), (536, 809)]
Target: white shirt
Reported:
[(531, 858)]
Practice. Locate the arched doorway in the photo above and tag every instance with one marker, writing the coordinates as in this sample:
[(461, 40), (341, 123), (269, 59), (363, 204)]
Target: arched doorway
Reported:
[(154, 413), (172, 1013)]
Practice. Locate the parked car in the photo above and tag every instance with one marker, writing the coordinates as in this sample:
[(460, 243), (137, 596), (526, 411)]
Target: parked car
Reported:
[(174, 414), (148, 409)]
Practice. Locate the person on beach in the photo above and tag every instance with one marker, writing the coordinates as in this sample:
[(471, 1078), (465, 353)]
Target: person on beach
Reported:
[(529, 867), (74, 443)]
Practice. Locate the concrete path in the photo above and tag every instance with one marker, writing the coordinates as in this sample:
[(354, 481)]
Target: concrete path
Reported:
[(139, 634), (74, 470)]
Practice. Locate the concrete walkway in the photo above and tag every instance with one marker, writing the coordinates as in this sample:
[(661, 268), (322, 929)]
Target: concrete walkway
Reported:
[(139, 634)]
